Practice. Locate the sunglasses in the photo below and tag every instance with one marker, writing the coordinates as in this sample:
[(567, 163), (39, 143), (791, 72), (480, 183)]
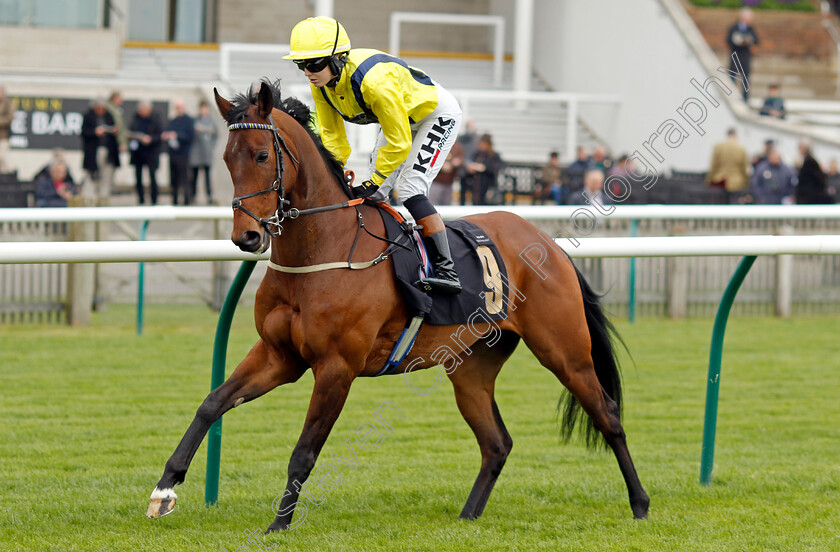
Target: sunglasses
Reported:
[(312, 65)]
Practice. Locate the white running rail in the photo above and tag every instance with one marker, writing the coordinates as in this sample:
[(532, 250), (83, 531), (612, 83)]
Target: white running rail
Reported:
[(224, 250), (528, 212)]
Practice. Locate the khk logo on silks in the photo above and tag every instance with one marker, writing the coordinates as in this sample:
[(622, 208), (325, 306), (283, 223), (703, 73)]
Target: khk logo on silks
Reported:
[(439, 133)]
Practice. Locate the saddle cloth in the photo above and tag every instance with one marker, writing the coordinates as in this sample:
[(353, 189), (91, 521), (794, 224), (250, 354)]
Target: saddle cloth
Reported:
[(478, 262)]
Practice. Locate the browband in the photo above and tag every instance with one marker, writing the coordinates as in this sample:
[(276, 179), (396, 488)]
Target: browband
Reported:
[(260, 126)]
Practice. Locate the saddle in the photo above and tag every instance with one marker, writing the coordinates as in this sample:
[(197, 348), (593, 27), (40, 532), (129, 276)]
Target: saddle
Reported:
[(477, 260), (480, 268)]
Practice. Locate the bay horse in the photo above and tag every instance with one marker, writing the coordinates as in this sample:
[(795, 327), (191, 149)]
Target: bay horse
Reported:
[(342, 324)]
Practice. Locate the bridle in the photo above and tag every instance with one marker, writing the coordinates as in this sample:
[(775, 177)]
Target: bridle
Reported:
[(271, 224)]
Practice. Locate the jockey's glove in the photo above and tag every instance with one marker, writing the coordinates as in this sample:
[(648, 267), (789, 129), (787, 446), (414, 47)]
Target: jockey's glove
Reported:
[(365, 189)]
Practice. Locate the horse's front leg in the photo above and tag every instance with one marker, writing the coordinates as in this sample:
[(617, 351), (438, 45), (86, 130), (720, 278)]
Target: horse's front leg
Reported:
[(260, 372), (332, 384)]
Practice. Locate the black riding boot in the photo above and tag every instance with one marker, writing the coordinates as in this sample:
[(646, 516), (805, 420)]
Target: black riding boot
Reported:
[(445, 279)]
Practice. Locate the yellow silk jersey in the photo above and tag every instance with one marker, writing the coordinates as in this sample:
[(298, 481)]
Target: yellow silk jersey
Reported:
[(375, 87)]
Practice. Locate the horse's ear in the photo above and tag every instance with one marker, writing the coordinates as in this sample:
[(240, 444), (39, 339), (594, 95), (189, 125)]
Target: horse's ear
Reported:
[(265, 100), (223, 105)]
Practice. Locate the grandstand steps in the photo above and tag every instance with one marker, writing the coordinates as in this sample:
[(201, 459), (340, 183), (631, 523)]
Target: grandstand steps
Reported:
[(799, 79), (529, 135), (795, 50)]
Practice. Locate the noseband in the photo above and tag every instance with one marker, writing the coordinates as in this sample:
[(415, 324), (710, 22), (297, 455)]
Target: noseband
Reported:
[(271, 224)]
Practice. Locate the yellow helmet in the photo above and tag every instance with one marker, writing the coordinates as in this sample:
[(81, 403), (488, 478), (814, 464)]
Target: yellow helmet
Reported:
[(317, 37)]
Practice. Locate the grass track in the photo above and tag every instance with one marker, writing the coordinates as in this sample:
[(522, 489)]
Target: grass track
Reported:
[(90, 415)]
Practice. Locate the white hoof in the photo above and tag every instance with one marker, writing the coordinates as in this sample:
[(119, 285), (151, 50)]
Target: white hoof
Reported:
[(161, 502)]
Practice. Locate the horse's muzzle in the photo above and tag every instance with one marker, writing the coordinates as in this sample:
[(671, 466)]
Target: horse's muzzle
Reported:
[(253, 241)]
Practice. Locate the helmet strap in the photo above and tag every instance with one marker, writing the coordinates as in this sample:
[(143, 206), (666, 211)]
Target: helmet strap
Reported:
[(337, 63), (334, 63)]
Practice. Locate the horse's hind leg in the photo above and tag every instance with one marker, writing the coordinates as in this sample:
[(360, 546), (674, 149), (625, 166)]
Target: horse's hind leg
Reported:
[(567, 354), (260, 372), (613, 433), (474, 383)]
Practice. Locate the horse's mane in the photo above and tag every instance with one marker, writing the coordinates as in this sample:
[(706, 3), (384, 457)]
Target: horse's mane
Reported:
[(298, 111)]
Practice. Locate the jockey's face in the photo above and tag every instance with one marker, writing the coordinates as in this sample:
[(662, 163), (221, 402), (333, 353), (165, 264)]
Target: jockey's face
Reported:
[(321, 78)]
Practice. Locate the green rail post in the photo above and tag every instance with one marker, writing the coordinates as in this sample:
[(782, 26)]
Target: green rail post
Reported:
[(631, 294), (713, 382), (214, 440), (140, 283)]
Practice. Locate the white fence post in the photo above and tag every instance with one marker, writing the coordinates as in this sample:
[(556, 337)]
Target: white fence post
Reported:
[(81, 277), (784, 279), (677, 283)]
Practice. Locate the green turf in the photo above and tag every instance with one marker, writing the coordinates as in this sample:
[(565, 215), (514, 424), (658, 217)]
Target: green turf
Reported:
[(90, 415)]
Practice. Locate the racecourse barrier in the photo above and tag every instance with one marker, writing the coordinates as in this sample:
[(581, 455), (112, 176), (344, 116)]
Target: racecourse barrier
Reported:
[(528, 212), (194, 250), (677, 287)]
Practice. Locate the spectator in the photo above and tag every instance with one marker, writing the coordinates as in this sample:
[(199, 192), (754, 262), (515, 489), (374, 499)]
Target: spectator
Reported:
[(812, 186), (550, 183), (741, 39), (58, 156), (179, 138), (601, 160), (201, 154), (773, 182), (773, 106), (53, 189), (593, 189), (441, 191), (144, 144), (101, 152), (115, 108), (728, 169), (484, 168), (576, 170), (832, 170), (621, 167), (7, 113), (832, 176), (469, 143), (769, 145)]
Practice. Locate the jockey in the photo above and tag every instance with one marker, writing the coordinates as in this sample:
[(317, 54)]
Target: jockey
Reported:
[(419, 122)]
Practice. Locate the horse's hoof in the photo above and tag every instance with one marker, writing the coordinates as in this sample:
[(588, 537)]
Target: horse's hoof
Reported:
[(161, 502), (640, 508)]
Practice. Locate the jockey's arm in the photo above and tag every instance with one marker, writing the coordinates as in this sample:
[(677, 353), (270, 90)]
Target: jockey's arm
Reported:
[(331, 127), (387, 103)]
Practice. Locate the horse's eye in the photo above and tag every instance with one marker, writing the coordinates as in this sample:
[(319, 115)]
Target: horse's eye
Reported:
[(262, 157)]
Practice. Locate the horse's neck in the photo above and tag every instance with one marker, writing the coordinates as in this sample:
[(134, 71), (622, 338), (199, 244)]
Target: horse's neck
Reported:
[(316, 186), (325, 236)]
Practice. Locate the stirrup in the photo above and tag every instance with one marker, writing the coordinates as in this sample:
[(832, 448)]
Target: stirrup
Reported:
[(438, 285)]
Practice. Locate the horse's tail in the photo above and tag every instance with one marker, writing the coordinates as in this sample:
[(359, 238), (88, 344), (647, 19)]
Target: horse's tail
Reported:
[(602, 334)]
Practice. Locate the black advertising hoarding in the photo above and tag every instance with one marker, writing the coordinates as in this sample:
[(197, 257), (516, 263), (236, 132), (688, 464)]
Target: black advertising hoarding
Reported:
[(49, 122)]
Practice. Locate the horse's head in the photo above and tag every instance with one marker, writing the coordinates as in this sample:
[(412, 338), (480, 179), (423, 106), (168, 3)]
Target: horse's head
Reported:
[(256, 157)]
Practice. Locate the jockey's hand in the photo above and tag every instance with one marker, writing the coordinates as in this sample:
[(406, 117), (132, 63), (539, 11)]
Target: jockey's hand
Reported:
[(365, 189)]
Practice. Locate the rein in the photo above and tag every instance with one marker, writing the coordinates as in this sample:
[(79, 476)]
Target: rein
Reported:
[(273, 226)]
